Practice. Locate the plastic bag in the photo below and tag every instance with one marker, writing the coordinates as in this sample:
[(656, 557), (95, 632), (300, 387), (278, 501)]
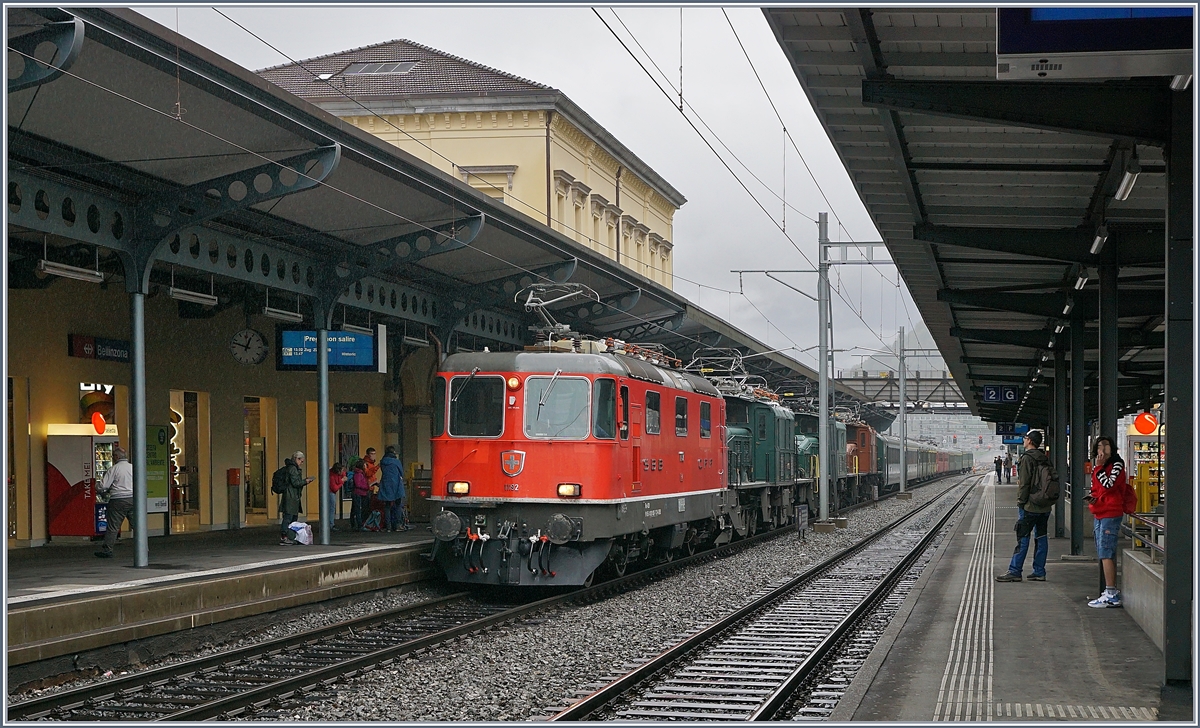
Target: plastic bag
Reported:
[(302, 533)]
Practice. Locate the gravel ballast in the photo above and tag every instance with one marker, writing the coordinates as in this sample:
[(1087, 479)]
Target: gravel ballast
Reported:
[(517, 671)]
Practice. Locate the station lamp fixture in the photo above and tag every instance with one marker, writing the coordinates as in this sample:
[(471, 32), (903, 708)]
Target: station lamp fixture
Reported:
[(1067, 308), (182, 294), (1059, 329), (1132, 170), (294, 317), (357, 329), (1180, 83), (69, 271), (62, 270), (1101, 237)]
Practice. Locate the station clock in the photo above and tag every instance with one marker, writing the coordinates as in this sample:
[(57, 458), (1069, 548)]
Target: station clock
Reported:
[(248, 347)]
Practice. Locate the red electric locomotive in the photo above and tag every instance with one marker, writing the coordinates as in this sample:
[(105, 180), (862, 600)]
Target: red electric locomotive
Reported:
[(550, 464)]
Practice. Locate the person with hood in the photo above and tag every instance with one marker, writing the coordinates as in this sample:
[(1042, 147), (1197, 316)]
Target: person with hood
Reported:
[(391, 491), (998, 463), (1031, 516), (292, 482), (1110, 499)]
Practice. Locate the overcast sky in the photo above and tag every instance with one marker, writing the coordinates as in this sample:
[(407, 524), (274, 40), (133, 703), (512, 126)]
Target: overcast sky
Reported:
[(721, 227)]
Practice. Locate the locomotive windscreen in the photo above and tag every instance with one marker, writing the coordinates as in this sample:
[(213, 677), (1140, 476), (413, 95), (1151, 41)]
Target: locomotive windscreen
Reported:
[(556, 407), (476, 406)]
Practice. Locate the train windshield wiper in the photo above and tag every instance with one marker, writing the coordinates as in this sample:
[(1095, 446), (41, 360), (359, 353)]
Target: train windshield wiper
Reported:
[(546, 394), (464, 385)]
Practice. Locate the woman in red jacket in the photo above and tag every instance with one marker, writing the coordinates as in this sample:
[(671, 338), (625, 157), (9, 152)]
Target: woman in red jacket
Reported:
[(1111, 498)]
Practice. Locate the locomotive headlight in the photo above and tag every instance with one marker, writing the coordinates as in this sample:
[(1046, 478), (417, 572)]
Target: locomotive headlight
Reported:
[(569, 490), (458, 487), (514, 383)]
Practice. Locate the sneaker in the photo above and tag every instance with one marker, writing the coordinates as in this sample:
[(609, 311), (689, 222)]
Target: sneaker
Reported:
[(1035, 577), (1008, 576), (284, 542), (104, 554), (1106, 600)]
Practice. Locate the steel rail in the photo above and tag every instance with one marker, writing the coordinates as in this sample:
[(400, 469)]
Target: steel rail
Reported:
[(781, 695), (129, 687), (606, 695), (124, 686)]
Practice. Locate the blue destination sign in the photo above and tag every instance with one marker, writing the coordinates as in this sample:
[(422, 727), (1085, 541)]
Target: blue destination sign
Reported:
[(348, 351)]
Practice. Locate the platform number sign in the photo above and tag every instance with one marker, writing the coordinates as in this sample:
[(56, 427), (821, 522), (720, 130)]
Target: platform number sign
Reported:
[(997, 393)]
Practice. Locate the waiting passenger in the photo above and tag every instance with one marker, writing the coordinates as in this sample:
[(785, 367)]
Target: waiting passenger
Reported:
[(118, 484), (289, 482), (1008, 468), (1031, 516), (391, 492), (1111, 498), (371, 467), (337, 478), (361, 494), (999, 467)]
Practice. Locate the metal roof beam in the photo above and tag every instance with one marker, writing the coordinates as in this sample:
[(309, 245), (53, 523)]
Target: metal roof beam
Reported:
[(1040, 338), (67, 38), (1137, 112), (1051, 305), (862, 31), (1136, 245), (984, 361)]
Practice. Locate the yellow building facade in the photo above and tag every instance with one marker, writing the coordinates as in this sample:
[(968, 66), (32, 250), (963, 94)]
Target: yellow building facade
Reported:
[(515, 140)]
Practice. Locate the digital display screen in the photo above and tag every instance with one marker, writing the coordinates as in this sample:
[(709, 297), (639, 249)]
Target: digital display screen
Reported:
[(1092, 30), (348, 350), (1037, 14)]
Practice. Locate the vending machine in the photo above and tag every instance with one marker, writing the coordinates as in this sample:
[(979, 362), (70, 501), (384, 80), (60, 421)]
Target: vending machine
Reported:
[(77, 458)]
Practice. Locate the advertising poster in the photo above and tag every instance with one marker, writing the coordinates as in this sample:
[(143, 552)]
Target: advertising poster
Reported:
[(157, 449)]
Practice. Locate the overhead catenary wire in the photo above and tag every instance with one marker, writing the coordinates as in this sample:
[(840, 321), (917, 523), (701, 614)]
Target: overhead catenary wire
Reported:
[(725, 163)]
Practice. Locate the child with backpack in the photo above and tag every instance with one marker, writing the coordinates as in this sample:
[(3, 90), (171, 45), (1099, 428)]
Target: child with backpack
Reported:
[(1037, 492)]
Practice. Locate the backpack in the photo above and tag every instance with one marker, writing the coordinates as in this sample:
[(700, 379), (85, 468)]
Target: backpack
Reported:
[(373, 521), (279, 481), (1044, 491)]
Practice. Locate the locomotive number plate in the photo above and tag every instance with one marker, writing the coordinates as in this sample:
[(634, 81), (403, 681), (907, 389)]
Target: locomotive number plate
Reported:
[(514, 487)]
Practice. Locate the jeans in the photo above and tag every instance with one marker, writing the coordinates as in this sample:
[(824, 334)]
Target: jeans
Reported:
[(285, 520), (359, 509), (1106, 531), (1040, 521), (334, 499), (118, 510)]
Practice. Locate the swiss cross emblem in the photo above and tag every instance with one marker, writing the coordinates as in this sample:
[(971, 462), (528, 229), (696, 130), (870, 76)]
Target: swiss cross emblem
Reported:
[(512, 462)]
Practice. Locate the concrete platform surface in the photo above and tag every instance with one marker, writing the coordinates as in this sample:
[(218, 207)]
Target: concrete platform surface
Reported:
[(965, 647), (63, 600)]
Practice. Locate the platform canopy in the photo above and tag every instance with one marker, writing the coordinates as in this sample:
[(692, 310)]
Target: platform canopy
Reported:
[(990, 194), (155, 153)]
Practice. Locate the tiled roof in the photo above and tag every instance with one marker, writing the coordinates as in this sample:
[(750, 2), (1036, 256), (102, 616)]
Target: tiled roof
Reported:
[(435, 73)]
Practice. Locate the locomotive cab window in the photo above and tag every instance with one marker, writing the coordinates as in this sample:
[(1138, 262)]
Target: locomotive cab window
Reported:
[(476, 406), (762, 425), (438, 425), (556, 407), (604, 407), (705, 420), (624, 413), (681, 417), (653, 413), (737, 412)]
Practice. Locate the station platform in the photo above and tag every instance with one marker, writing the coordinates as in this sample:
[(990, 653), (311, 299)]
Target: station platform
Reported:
[(967, 648), (61, 599)]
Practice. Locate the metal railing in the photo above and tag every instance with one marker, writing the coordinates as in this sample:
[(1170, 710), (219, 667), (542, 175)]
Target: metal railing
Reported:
[(1145, 532)]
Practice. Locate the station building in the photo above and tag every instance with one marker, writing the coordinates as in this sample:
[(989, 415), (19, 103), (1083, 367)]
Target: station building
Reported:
[(515, 140)]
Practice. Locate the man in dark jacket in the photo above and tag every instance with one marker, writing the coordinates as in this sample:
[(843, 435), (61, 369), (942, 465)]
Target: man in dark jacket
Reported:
[(292, 496), (1031, 517), (391, 491), (999, 464)]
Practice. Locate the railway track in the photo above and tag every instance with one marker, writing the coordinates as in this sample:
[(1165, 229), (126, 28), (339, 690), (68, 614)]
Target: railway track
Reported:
[(753, 664), (239, 682)]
